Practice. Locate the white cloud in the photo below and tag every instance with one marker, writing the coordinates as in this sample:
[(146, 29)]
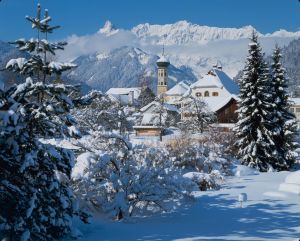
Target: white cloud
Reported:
[(200, 57), (98, 42)]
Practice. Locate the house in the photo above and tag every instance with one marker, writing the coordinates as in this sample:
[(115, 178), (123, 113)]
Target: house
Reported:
[(223, 107), (216, 83), (218, 91), (125, 96), (295, 109), (174, 95), (154, 117)]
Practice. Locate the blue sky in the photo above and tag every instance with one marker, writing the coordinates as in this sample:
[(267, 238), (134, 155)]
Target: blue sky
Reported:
[(87, 16)]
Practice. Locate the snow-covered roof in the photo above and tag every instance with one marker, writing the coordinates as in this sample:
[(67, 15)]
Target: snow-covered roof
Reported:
[(216, 103), (123, 94), (156, 103), (217, 78), (113, 98), (146, 127), (174, 101), (178, 89), (150, 119), (163, 59), (295, 101), (125, 91)]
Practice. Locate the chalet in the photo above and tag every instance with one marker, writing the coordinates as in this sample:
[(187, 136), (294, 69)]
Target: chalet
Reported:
[(219, 92), (216, 83)]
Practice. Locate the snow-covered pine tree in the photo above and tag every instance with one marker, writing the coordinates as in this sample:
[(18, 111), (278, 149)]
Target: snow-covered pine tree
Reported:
[(285, 120), (38, 66), (36, 200), (256, 127), (147, 95)]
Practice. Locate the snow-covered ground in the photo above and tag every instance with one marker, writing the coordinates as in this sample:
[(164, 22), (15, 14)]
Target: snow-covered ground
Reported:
[(215, 215)]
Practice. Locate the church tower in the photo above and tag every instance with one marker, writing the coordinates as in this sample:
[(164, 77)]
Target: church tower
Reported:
[(162, 84)]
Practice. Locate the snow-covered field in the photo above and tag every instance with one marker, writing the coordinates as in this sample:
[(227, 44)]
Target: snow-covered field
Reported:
[(268, 214)]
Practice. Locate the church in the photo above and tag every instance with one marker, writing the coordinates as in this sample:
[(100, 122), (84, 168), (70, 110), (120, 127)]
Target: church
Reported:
[(215, 88)]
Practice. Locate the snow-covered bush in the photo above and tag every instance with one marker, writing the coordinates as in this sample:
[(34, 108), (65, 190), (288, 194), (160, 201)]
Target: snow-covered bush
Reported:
[(201, 155), (205, 181), (125, 182)]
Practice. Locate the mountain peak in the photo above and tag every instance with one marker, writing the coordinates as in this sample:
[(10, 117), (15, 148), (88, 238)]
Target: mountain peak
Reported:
[(108, 29)]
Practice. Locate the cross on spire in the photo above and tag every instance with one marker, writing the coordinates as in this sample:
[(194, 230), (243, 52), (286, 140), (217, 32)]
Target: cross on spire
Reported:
[(163, 49)]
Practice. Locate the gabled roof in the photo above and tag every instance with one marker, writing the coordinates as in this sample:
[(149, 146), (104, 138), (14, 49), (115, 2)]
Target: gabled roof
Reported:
[(295, 101), (217, 78), (151, 119), (113, 98), (122, 95), (156, 103), (125, 91), (178, 89), (216, 103)]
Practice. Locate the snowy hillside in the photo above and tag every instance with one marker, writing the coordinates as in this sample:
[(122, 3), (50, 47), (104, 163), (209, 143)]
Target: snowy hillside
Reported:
[(122, 67)]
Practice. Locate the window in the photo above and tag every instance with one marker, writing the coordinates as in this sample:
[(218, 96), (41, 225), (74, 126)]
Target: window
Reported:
[(292, 109), (297, 109), (206, 94), (198, 94), (215, 94)]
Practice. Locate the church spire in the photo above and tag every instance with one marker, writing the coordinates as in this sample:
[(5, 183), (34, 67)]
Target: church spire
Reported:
[(162, 72)]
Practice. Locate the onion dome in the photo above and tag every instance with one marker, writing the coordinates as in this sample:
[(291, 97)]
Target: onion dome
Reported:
[(163, 62)]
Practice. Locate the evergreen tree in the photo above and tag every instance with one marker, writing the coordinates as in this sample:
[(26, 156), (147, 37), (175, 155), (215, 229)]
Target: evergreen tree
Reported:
[(256, 126), (34, 184), (146, 96), (285, 120)]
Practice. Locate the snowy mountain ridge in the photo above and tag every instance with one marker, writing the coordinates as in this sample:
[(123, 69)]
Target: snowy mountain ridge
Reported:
[(122, 67), (184, 32), (191, 48), (108, 29)]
